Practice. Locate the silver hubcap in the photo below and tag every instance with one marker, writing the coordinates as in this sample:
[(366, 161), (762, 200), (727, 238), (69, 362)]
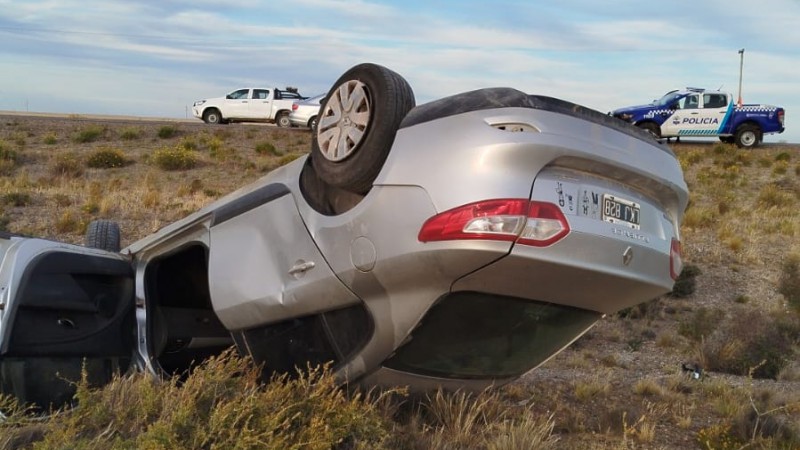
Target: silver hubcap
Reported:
[(748, 138), (344, 121)]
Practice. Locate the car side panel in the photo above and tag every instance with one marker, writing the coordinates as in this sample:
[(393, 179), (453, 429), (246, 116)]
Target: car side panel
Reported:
[(265, 268)]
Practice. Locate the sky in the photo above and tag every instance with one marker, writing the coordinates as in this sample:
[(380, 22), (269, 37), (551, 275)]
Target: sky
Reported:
[(155, 58)]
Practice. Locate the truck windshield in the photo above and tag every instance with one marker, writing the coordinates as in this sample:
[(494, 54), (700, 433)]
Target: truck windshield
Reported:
[(668, 98)]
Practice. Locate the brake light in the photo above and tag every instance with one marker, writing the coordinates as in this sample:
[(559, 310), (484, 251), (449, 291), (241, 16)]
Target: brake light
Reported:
[(780, 116), (675, 259), (530, 223), (294, 106)]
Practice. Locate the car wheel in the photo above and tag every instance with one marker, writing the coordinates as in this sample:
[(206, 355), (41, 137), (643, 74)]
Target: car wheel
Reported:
[(651, 128), (747, 136), (313, 123), (103, 234), (283, 120), (357, 125), (213, 117)]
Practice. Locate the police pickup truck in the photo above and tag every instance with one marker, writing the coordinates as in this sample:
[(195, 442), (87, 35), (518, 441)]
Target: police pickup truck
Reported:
[(701, 112), (249, 105)]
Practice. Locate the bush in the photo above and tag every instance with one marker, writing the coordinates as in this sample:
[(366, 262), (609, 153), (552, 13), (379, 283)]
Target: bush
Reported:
[(167, 131), (753, 343), (66, 165), (50, 139), (174, 158), (130, 133), (106, 159), (89, 133), (685, 284), (267, 148), (17, 199)]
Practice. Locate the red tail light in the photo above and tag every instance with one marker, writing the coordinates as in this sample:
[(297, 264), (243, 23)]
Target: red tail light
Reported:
[(531, 223), (294, 106), (675, 259), (780, 116)]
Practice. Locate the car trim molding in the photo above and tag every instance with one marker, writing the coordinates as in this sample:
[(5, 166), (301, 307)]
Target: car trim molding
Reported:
[(251, 200)]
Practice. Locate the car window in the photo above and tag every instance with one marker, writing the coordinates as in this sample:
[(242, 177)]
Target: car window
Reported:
[(689, 102), (261, 94), (715, 100), (239, 94)]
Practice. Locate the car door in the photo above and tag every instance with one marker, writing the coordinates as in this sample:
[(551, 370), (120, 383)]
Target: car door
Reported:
[(63, 309), (686, 118), (264, 267), (261, 104), (237, 104), (712, 112)]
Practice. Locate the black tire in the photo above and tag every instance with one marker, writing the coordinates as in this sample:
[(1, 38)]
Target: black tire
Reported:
[(283, 120), (213, 117), (357, 125), (651, 128), (727, 139), (312, 123), (103, 234), (747, 136)]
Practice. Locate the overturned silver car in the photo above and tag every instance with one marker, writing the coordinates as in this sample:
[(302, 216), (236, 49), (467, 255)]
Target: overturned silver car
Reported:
[(460, 243)]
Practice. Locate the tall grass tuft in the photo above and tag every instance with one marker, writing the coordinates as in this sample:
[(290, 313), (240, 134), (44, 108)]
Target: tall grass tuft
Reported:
[(222, 404)]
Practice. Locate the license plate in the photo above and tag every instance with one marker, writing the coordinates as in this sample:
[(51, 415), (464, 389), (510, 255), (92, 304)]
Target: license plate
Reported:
[(620, 211)]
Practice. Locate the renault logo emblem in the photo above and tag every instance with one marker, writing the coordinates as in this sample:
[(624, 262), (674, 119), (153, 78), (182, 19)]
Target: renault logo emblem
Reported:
[(627, 256)]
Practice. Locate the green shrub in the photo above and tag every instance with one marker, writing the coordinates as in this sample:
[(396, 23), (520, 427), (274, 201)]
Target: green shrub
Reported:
[(7, 154), (267, 148), (167, 131), (89, 133), (783, 156), (174, 158), (50, 138), (188, 143), (17, 198), (130, 133), (66, 165), (106, 158), (685, 284)]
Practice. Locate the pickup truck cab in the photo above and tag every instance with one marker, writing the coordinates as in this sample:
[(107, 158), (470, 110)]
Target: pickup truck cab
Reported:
[(701, 112), (248, 105)]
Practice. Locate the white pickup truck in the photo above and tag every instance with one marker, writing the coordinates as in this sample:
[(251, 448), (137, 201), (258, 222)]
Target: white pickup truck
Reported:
[(249, 105)]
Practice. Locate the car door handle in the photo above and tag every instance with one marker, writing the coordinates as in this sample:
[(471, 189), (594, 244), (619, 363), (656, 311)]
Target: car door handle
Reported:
[(695, 113), (301, 267), (244, 101)]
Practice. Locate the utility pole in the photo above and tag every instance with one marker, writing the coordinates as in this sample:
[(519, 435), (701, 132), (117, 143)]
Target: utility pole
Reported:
[(741, 66)]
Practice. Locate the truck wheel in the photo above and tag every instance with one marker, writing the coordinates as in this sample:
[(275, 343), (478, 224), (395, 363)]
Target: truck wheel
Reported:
[(357, 125), (651, 128), (103, 234), (747, 136), (212, 116), (283, 120)]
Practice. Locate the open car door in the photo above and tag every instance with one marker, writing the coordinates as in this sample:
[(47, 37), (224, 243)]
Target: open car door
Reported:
[(63, 308)]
